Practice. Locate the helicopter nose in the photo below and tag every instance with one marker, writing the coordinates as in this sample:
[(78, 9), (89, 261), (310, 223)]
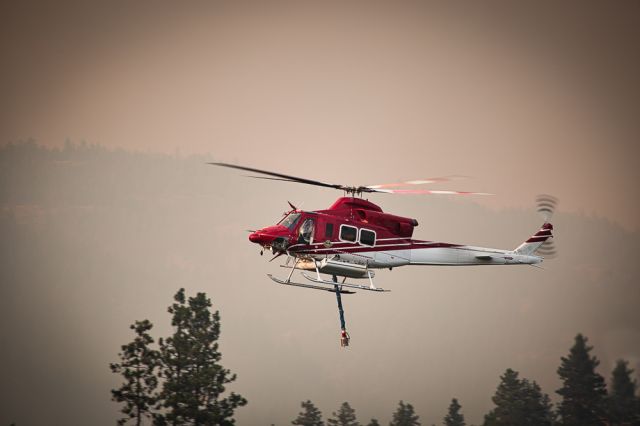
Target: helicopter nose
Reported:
[(260, 238)]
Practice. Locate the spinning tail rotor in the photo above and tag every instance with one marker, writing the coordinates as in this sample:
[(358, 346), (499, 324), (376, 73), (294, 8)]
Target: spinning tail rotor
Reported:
[(541, 243), (546, 206)]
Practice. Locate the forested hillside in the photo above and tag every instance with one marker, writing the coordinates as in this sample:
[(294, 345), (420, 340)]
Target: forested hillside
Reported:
[(94, 239)]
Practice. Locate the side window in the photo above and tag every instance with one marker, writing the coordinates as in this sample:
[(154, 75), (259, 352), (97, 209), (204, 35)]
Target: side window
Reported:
[(348, 233), (367, 237), (306, 231), (328, 231)]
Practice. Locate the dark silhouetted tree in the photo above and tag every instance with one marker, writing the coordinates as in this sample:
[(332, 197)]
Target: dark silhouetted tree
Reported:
[(624, 407), (373, 422), (454, 417), (519, 402), (138, 365), (346, 416), (309, 416), (583, 390), (194, 380), (404, 416)]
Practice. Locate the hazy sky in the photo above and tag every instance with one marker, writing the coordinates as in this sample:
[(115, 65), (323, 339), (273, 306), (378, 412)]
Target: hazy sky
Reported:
[(527, 99), (524, 99)]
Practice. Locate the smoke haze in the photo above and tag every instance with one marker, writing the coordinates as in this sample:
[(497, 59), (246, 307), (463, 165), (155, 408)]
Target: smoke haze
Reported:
[(526, 99), (95, 239)]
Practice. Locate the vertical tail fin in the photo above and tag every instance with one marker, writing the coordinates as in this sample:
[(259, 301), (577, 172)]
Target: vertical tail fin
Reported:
[(536, 240)]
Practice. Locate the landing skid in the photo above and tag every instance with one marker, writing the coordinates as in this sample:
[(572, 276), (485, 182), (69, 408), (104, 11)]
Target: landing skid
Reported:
[(359, 287), (316, 287)]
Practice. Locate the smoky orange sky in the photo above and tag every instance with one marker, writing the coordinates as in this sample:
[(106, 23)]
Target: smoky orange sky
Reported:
[(526, 99), (523, 99)]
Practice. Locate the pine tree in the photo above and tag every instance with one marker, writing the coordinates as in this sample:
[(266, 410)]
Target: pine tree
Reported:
[(507, 400), (583, 390), (538, 404), (346, 416), (519, 402), (193, 378), (624, 408), (138, 365), (454, 417), (310, 416), (404, 416), (373, 422)]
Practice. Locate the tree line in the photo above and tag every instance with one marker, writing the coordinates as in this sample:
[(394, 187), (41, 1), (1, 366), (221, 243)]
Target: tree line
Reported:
[(585, 399), (181, 382), (346, 416)]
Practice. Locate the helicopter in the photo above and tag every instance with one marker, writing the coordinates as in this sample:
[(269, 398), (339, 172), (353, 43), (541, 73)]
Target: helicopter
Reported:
[(354, 237)]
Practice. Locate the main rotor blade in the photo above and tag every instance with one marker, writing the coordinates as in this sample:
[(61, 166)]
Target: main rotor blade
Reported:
[(271, 178), (353, 189), (428, 192), (281, 176), (418, 182)]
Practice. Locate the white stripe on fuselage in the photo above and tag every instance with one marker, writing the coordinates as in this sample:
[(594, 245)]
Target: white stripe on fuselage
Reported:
[(401, 255)]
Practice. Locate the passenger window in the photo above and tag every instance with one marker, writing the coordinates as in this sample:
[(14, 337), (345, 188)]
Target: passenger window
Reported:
[(328, 231), (348, 233), (367, 237)]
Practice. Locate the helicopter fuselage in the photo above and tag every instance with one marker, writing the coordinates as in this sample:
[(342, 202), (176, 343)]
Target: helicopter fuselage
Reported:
[(354, 235)]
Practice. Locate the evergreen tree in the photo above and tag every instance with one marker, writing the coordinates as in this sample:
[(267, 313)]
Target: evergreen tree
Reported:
[(310, 416), (623, 404), (538, 404), (138, 364), (374, 422), (519, 402), (193, 378), (404, 416), (346, 416), (454, 417), (583, 390)]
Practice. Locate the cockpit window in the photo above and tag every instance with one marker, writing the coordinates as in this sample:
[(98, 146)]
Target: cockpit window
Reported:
[(290, 221)]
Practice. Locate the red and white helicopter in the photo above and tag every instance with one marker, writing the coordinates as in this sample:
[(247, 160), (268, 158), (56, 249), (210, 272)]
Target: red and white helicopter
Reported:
[(354, 237)]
